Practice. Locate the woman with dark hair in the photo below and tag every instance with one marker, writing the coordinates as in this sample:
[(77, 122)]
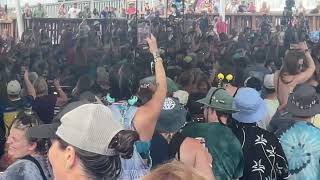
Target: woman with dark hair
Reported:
[(298, 67), (124, 84), (88, 144), (83, 89), (28, 153), (233, 79)]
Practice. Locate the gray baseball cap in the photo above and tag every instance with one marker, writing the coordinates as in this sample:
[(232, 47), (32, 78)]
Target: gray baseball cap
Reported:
[(89, 127)]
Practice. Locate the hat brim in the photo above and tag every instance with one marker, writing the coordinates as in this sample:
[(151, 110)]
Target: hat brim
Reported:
[(171, 121), (172, 128), (247, 117), (175, 124), (228, 110), (294, 110), (44, 131)]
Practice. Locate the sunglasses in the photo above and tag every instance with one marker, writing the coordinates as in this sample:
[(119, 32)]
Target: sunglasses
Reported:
[(27, 120)]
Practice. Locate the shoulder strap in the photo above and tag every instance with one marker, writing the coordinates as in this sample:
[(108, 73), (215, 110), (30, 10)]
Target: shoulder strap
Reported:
[(236, 92), (175, 145), (30, 158)]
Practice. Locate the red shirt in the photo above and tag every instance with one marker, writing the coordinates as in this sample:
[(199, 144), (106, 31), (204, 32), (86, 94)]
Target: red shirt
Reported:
[(131, 10), (252, 9), (222, 27)]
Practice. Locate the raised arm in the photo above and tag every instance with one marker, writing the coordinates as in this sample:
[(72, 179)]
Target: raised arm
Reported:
[(30, 89), (62, 98), (147, 115), (307, 74)]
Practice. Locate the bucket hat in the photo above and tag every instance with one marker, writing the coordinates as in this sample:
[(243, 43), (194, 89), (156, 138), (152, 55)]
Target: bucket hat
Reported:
[(172, 117), (219, 99), (304, 101), (252, 107)]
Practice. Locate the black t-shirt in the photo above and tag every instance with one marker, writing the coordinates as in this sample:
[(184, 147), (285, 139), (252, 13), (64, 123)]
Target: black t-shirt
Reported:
[(44, 107), (161, 151)]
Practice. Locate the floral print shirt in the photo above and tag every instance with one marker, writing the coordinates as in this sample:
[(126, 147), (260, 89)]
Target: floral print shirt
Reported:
[(263, 154)]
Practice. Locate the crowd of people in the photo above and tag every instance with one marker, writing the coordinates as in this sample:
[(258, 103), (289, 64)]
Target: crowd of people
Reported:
[(190, 102), (160, 7)]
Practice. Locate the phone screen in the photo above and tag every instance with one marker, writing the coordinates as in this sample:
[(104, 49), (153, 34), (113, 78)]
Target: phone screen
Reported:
[(293, 46), (144, 31)]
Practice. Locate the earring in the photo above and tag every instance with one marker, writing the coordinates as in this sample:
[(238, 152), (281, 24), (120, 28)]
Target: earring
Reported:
[(68, 167), (220, 78), (109, 99), (229, 77), (133, 100)]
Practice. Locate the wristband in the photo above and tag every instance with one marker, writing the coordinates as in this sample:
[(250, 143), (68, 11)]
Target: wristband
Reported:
[(157, 59), (156, 54)]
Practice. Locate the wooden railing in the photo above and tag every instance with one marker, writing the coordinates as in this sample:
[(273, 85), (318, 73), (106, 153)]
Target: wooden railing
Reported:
[(236, 22), (54, 26), (53, 8), (8, 27)]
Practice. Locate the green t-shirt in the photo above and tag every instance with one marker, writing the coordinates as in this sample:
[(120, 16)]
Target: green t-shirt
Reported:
[(40, 13), (224, 147)]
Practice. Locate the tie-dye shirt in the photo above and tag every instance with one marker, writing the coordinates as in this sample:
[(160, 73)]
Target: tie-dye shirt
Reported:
[(300, 142)]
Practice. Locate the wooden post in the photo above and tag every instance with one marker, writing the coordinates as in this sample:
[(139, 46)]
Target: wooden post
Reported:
[(274, 20), (222, 9), (91, 5), (19, 18), (314, 23), (254, 22)]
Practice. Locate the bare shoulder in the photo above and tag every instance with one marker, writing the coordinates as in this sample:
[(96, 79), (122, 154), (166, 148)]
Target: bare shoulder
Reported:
[(192, 144)]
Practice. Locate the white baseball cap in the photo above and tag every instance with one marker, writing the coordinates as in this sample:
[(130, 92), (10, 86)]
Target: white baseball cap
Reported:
[(268, 81), (89, 127), (13, 88)]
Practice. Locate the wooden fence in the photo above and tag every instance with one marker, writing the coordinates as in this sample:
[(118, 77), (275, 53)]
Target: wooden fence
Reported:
[(55, 25), (8, 27)]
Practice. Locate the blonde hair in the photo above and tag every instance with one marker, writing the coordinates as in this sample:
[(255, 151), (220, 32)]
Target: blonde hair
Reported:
[(174, 170), (40, 85)]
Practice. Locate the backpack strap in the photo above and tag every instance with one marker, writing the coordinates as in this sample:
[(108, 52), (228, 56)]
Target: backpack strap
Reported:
[(175, 145), (30, 158)]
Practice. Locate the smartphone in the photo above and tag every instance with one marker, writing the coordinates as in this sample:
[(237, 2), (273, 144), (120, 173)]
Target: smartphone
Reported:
[(152, 68), (22, 71), (293, 46), (144, 31)]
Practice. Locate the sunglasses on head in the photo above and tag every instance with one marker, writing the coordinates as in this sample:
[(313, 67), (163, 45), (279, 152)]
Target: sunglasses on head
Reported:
[(27, 120)]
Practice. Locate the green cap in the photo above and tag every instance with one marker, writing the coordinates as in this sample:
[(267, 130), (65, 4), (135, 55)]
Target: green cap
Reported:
[(219, 99), (171, 85)]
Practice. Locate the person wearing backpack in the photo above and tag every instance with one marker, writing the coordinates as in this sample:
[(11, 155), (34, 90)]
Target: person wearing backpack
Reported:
[(29, 154)]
